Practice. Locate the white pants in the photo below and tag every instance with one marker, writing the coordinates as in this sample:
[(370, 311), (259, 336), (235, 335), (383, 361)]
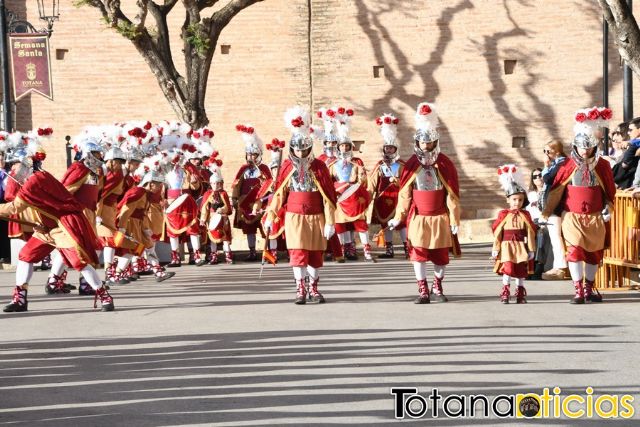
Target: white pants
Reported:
[(555, 235)]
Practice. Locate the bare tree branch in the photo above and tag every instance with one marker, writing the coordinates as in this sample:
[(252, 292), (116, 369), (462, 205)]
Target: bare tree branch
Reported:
[(625, 30), (186, 95), (206, 3), (222, 17)]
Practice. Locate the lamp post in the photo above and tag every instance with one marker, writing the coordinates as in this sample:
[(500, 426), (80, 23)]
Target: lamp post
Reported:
[(49, 11)]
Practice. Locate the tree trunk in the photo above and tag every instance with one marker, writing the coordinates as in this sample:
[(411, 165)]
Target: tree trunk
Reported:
[(186, 95), (624, 29)]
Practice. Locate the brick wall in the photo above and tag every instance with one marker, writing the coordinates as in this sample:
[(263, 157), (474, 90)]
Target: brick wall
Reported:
[(448, 52)]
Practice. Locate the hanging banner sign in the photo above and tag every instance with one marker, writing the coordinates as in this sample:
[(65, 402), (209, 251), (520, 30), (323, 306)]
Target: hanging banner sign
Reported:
[(30, 65)]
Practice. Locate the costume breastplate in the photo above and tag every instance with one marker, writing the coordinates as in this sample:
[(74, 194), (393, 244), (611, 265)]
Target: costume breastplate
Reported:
[(252, 173), (175, 178), (304, 183), (584, 179), (427, 179), (343, 171), (389, 171)]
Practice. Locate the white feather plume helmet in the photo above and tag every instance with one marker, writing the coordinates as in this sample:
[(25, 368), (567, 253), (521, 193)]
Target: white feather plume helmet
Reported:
[(343, 123), (427, 122), (201, 138), (252, 142), (511, 179), (329, 130), (4, 141), (214, 165), (587, 122), (297, 120), (388, 128)]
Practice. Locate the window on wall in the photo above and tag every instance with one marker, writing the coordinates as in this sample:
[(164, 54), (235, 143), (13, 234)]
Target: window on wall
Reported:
[(378, 71), (510, 66), (225, 48), (518, 142)]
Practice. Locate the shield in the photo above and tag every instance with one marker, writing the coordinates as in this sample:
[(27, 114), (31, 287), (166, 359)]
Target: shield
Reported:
[(354, 200)]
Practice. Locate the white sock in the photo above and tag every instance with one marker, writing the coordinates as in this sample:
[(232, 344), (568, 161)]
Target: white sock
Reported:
[(57, 265), (273, 244), (123, 262), (420, 268), (577, 271), (226, 246), (520, 281), (175, 243), (251, 240), (364, 237), (214, 247), (91, 276), (388, 236), (345, 237), (590, 271), (299, 273), (403, 235), (24, 271), (505, 279), (108, 254), (438, 271), (314, 274), (195, 242), (152, 256)]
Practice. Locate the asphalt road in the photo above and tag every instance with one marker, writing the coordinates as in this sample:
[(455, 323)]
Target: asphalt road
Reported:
[(216, 346)]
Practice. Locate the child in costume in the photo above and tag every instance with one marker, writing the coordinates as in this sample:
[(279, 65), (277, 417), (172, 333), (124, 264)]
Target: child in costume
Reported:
[(514, 236)]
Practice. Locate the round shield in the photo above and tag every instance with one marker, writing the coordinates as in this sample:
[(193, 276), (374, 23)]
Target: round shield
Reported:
[(177, 202), (215, 221), (355, 200)]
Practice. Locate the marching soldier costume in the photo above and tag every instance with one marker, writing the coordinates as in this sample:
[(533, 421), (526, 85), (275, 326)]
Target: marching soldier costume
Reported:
[(329, 136), (215, 211), (584, 190), (514, 232), (429, 202), (64, 227), (304, 186), (350, 180), (246, 186), (384, 182), (84, 180)]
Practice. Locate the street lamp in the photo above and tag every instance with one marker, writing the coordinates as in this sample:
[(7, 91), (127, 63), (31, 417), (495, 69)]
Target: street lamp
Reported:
[(49, 11)]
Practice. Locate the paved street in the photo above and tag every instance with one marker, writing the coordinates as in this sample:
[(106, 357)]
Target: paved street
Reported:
[(216, 346)]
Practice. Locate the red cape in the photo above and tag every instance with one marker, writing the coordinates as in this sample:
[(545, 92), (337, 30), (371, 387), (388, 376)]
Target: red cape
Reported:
[(266, 172), (76, 172), (321, 173), (446, 169), (503, 213), (602, 169), (132, 195), (49, 196), (112, 180)]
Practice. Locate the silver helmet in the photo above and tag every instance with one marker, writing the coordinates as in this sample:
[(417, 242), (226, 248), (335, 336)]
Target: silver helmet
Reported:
[(584, 141), (115, 153), (136, 155), (152, 176)]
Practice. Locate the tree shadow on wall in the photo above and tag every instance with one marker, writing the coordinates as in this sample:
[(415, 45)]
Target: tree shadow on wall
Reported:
[(403, 72)]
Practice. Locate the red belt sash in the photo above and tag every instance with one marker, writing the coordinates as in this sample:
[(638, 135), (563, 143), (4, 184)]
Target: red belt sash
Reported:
[(305, 203), (429, 203), (111, 199), (174, 193), (87, 196), (137, 214), (514, 235), (584, 200)]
